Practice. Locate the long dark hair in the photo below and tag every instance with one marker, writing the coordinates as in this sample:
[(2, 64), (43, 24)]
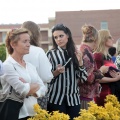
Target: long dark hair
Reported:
[(70, 47)]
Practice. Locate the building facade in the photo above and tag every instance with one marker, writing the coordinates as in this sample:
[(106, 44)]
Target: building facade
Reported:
[(100, 19)]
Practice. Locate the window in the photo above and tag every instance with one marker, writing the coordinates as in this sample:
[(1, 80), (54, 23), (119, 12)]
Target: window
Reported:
[(4, 36), (104, 25)]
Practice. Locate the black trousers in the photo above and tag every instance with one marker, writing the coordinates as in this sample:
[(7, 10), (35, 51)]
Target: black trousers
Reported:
[(72, 111)]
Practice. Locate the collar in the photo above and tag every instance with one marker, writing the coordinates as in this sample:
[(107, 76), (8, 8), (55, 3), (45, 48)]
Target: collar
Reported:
[(59, 48), (62, 50), (10, 59)]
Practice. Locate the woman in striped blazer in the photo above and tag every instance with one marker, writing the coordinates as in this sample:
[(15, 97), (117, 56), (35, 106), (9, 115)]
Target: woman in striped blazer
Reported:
[(68, 69)]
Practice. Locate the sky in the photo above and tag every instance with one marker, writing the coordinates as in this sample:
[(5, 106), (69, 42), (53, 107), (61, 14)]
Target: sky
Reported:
[(18, 11)]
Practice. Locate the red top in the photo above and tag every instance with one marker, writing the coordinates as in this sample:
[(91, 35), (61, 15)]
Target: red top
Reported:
[(101, 60), (91, 87)]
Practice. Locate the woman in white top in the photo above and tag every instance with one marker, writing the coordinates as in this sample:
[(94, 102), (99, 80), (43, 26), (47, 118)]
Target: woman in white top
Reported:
[(38, 58), (21, 75)]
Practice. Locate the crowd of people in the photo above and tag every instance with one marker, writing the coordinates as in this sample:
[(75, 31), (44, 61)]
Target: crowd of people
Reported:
[(65, 78)]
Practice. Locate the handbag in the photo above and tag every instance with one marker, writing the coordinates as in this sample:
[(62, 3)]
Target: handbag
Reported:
[(42, 101), (10, 104)]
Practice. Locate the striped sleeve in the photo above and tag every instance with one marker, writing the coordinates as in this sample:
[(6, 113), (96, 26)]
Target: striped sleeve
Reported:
[(82, 74)]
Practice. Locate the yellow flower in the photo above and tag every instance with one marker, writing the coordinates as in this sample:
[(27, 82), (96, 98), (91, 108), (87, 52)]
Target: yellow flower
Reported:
[(113, 100), (86, 116), (40, 113), (59, 116), (36, 107), (44, 115), (110, 111)]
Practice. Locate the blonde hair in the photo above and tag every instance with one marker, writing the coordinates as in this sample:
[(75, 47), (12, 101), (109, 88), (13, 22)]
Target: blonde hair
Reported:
[(118, 46), (13, 36), (90, 33), (103, 37)]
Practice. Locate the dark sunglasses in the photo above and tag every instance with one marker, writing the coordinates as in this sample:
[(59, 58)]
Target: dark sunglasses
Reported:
[(109, 37)]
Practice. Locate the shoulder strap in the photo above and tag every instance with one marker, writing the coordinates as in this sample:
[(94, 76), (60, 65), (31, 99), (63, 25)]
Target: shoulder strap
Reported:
[(11, 88)]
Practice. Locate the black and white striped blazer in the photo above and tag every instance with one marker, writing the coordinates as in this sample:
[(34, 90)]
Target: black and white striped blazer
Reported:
[(65, 83)]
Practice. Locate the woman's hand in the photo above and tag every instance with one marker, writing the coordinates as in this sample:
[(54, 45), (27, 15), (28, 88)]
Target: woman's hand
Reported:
[(118, 75), (79, 57), (34, 87), (60, 68), (115, 74)]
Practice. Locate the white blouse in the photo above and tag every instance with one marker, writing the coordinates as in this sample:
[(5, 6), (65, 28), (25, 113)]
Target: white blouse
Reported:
[(38, 58), (13, 71)]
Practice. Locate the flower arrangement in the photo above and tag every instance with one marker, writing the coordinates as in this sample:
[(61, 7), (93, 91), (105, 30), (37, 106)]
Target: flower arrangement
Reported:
[(110, 111), (45, 115)]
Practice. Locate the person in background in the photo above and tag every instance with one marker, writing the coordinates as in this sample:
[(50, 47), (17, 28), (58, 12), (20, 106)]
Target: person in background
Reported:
[(21, 75), (68, 69), (103, 61), (112, 52), (38, 58), (117, 62), (91, 88)]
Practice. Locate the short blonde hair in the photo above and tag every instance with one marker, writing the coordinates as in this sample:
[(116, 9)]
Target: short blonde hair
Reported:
[(13, 36), (90, 33)]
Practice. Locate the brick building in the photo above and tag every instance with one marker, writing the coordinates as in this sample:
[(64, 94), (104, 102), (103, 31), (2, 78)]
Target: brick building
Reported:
[(101, 19)]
